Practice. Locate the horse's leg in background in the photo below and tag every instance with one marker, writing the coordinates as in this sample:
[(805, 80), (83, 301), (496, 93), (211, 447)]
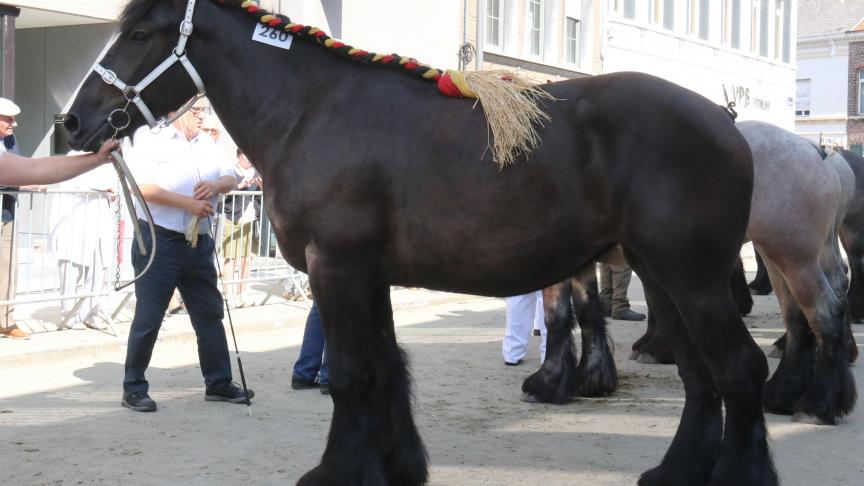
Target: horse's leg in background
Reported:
[(596, 374), (795, 369), (761, 285), (831, 392), (853, 243), (652, 347), (740, 290), (551, 383), (712, 365), (373, 439), (835, 271)]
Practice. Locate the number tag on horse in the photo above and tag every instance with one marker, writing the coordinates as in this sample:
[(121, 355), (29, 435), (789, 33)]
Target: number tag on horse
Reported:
[(274, 37)]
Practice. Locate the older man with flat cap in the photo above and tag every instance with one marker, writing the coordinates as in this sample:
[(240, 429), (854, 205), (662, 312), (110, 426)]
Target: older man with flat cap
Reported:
[(16, 171)]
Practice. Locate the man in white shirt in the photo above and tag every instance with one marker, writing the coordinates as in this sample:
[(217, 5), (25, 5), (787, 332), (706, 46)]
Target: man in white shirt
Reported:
[(180, 174)]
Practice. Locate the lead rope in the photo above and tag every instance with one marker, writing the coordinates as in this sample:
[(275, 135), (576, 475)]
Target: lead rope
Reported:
[(126, 180)]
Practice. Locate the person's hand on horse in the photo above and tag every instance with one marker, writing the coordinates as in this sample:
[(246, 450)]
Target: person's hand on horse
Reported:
[(200, 207), (105, 150), (205, 190)]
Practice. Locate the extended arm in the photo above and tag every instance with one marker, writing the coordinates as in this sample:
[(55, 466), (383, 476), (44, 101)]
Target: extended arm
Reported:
[(16, 170)]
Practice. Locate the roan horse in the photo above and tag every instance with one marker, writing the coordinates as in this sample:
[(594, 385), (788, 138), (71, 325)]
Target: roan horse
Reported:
[(799, 202), (373, 179)]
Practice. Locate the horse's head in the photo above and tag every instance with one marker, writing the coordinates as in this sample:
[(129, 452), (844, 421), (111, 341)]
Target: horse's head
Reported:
[(147, 38)]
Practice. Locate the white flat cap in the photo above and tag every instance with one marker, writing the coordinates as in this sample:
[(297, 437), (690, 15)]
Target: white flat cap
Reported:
[(8, 108)]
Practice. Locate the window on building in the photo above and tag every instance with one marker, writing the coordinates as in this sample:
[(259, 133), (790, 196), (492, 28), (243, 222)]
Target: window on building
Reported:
[(624, 8), (494, 17), (802, 97), (787, 30), (779, 8), (662, 13), (861, 91), (764, 15), (730, 32), (704, 12), (535, 27), (754, 26), (697, 18), (571, 41)]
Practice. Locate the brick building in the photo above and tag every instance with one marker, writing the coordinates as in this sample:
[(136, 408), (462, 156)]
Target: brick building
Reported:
[(855, 123), (828, 101)]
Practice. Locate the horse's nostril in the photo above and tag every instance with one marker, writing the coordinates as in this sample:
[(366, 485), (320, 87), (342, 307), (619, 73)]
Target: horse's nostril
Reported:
[(71, 124)]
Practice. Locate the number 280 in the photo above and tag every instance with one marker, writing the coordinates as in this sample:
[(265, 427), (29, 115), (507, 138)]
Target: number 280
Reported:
[(271, 33)]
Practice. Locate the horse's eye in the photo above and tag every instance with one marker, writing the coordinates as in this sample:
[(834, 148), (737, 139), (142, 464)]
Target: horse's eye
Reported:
[(140, 36)]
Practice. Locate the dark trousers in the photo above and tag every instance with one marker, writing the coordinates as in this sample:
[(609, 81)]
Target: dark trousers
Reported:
[(192, 272), (312, 361)]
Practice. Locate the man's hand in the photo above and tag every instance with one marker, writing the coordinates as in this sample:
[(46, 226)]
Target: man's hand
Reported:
[(104, 154), (206, 189), (199, 207)]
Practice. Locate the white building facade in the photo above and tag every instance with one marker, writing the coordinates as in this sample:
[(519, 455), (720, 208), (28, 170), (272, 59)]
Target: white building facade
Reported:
[(740, 49)]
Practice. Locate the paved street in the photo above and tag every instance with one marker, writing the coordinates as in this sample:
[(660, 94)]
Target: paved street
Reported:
[(61, 423)]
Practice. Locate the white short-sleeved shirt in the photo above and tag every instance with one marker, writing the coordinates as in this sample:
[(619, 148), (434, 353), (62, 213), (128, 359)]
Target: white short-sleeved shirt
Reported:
[(175, 164)]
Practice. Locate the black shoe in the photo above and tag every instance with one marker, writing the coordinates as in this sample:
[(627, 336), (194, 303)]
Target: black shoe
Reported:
[(298, 383), (138, 401), (227, 391), (517, 363), (325, 389), (629, 315)]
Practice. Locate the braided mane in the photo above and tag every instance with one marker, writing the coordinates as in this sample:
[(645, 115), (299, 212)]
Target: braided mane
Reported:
[(511, 104)]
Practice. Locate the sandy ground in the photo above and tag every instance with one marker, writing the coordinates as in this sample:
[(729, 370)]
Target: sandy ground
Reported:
[(61, 423)]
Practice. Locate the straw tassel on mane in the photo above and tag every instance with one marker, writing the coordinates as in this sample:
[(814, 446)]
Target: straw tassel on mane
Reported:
[(512, 108)]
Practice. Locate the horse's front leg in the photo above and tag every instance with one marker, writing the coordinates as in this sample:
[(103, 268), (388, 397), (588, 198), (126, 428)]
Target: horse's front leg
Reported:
[(551, 383), (373, 440)]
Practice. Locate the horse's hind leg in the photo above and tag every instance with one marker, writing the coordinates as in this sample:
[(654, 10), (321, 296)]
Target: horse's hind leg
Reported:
[(740, 291), (715, 354), (795, 370), (373, 440), (854, 244), (831, 392), (596, 374), (551, 383), (652, 347), (761, 285)]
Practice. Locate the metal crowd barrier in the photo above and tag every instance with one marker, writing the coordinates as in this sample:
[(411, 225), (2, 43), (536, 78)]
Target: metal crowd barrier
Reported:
[(90, 230)]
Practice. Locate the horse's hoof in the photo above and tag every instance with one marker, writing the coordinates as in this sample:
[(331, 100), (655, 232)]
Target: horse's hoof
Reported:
[(775, 352), (529, 398), (647, 359), (634, 355), (806, 418)]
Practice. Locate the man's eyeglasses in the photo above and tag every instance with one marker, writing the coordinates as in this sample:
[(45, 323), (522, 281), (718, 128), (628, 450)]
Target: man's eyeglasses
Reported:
[(198, 110)]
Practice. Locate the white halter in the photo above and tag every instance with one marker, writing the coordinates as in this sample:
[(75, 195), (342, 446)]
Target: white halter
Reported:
[(133, 92)]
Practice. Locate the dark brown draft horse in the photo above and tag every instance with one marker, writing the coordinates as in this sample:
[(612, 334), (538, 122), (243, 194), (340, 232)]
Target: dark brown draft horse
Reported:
[(374, 179)]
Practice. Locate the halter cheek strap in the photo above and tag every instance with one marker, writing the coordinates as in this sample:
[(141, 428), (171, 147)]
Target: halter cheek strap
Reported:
[(133, 92)]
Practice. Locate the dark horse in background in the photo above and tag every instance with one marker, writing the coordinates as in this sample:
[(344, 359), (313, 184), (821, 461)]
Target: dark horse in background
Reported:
[(374, 179), (852, 237)]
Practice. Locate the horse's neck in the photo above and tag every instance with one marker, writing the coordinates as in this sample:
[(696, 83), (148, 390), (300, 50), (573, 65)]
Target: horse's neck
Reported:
[(252, 87)]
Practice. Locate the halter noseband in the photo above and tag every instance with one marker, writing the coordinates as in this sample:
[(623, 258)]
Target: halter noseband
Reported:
[(119, 119)]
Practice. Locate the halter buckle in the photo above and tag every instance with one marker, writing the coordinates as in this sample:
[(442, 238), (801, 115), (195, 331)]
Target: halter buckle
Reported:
[(186, 28), (109, 76)]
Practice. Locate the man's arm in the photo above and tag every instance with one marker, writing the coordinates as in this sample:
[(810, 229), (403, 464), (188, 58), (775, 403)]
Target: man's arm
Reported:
[(208, 189), (158, 195), (16, 170)]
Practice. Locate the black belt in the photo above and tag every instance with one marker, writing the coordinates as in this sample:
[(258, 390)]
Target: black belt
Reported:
[(162, 230)]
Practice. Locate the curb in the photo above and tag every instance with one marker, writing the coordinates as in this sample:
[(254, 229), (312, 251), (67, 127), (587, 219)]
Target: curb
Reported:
[(252, 319)]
